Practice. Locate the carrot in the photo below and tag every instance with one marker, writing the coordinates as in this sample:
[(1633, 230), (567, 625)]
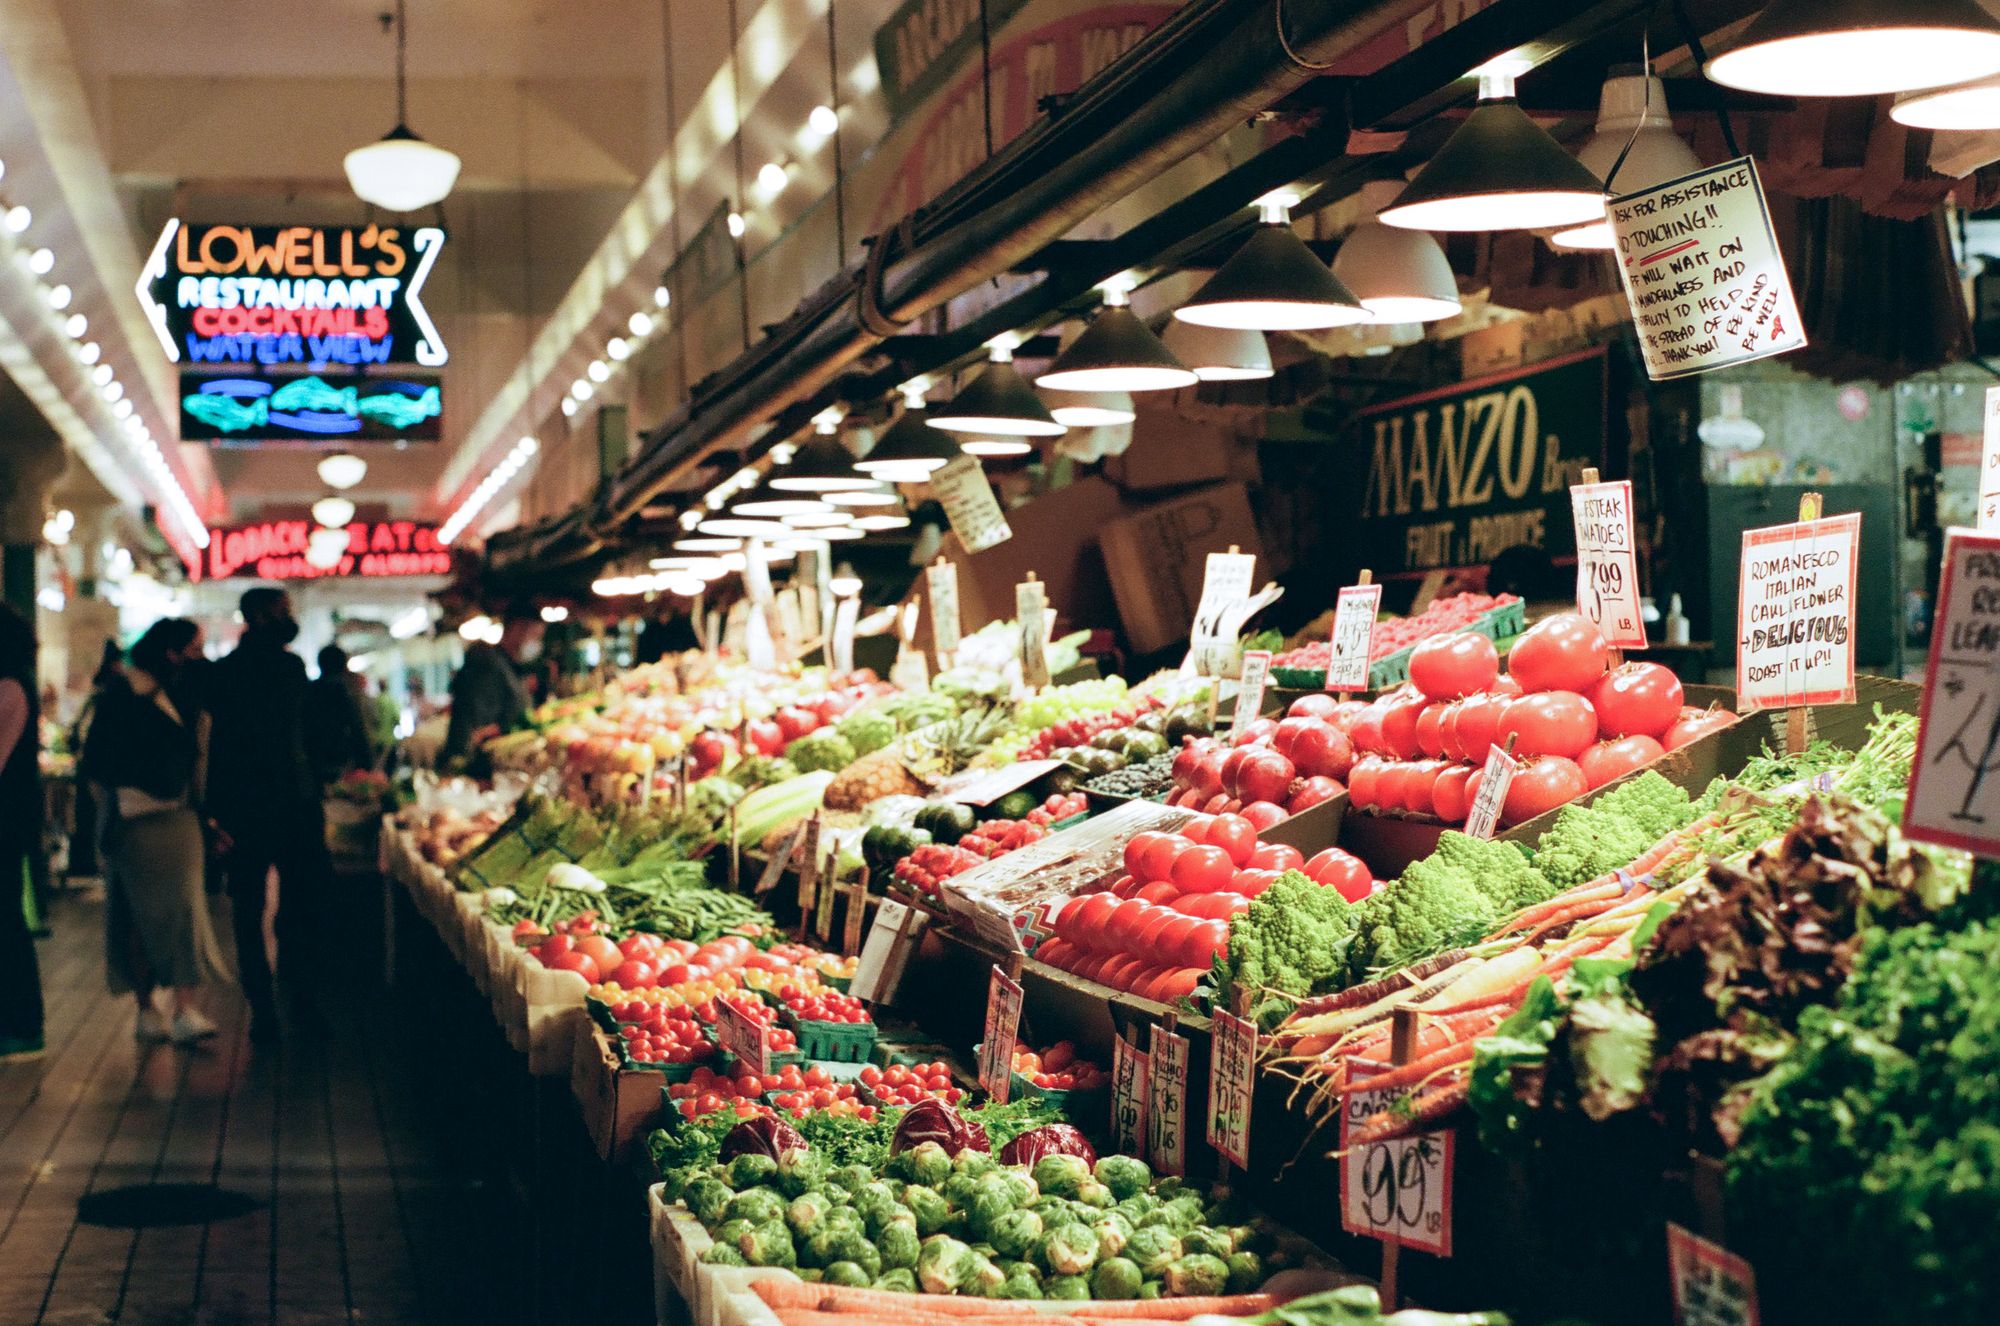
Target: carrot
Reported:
[(1414, 1071), (1179, 1309), (1606, 887), (1436, 1030), (779, 1291), (1569, 916), (1368, 992), (851, 1299), (1430, 1105)]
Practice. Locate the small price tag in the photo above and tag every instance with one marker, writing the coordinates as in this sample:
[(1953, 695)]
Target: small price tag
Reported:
[(840, 650), (1710, 1285), (1607, 570), (1225, 586), (1484, 816), (742, 1035), (1250, 690), (1354, 615), (823, 906), (857, 912), (1031, 609), (967, 498), (1130, 1096), (774, 869), (882, 953), (808, 853), (941, 583), (1989, 466), (1166, 1105), (1232, 1070), (1398, 1191), (1795, 614), (1003, 1027)]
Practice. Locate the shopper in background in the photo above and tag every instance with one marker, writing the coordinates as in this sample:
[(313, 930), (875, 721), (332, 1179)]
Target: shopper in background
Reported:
[(336, 733), (160, 943), (488, 696), (20, 837), (666, 632), (262, 793), (92, 808)]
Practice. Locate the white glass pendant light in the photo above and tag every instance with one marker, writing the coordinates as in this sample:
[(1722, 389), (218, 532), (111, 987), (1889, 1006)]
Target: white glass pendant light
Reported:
[(708, 544), (1398, 275), (880, 495), (342, 470), (1116, 352), (873, 524), (333, 512), (1093, 409), (764, 503), (910, 449), (1974, 105), (401, 172), (1273, 283), (1632, 109), (1859, 48), (1218, 354), (325, 548), (1499, 170), (821, 466)]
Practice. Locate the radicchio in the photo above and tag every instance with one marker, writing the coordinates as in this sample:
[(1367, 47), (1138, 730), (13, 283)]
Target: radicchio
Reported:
[(1051, 1139), (935, 1121), (760, 1137)]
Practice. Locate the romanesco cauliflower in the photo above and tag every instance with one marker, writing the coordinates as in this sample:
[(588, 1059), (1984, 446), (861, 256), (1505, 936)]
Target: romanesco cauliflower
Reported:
[(1293, 940), (1611, 832)]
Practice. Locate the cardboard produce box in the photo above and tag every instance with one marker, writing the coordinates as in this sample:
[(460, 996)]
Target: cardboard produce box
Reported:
[(1170, 450), (619, 1105), (1156, 559)]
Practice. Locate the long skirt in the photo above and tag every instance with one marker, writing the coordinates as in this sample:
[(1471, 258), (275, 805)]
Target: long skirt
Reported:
[(159, 930)]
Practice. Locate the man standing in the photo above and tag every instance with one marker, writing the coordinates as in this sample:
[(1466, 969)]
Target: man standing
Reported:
[(487, 695), (262, 793)]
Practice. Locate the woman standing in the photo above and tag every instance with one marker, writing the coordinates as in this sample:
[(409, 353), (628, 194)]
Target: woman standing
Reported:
[(160, 943), (20, 832)]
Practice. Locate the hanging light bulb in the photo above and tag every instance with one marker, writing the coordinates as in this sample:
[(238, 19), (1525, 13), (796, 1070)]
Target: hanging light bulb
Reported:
[(844, 582), (1219, 354), (1398, 275), (333, 512), (1498, 171), (911, 449), (997, 401), (342, 470), (1273, 283), (820, 466), (401, 172), (1093, 409), (640, 324), (1859, 48), (1116, 352), (325, 548), (1632, 109)]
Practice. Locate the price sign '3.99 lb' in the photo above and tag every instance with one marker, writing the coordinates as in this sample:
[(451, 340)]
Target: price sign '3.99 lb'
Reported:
[(1607, 570)]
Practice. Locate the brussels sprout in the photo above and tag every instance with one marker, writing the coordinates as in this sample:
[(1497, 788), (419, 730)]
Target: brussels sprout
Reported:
[(899, 1280), (846, 1217), (842, 1244), (846, 1273), (993, 1200), (1206, 1240), (806, 1211), (850, 1178), (1246, 1272), (944, 1264), (1092, 1193), (1154, 1247), (1197, 1276), (729, 1231), (1249, 1238), (1066, 1287), (1116, 1278), (1169, 1187), (1061, 1175), (1016, 1233), (929, 1209), (1137, 1205), (750, 1169), (978, 1164), (1113, 1232), (769, 1244), (1185, 1211), (1048, 1204), (987, 1277), (723, 1254), (706, 1199), (1069, 1249), (1126, 1176), (929, 1164), (1152, 1289), (1023, 1281), (958, 1189), (757, 1205), (816, 1248), (1025, 1191), (874, 1200), (883, 1214), (898, 1244)]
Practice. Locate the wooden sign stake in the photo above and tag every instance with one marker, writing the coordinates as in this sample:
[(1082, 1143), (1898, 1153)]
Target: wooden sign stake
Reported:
[(1402, 1048), (1811, 507)]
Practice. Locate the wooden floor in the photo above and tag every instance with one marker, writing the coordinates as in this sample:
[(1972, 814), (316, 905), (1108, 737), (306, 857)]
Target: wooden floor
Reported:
[(375, 1201)]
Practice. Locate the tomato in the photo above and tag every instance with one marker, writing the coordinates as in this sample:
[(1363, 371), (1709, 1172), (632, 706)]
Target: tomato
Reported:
[(1343, 872), (1118, 972), (1156, 859), (1203, 942), (1445, 667), (1449, 799), (1203, 870), (600, 951), (1476, 725), (1146, 941), (1430, 734), (1172, 941), (1637, 697), (1250, 881), (1559, 653), (1696, 723), (1091, 915), (641, 944), (1399, 723), (1614, 759), (552, 948), (1540, 785), (1366, 729), (1276, 856), (1417, 783), (1196, 829), (1160, 891), (580, 963), (1234, 835), (1549, 723), (1364, 780), (1177, 984), (1127, 886), (634, 973), (1124, 922), (1135, 851)]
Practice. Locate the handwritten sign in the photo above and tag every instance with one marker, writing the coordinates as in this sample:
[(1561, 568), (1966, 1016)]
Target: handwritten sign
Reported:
[(1232, 1078), (774, 869), (840, 652), (1250, 690), (1354, 614), (1989, 465), (967, 498), (1607, 570), (808, 852), (1795, 614), (1951, 800), (1225, 585), (1003, 1026), (1702, 271), (1166, 1104), (1129, 1096), (1031, 608), (941, 583), (883, 952), (742, 1035), (823, 905), (857, 913), (1398, 1191), (1484, 816), (1710, 1285)]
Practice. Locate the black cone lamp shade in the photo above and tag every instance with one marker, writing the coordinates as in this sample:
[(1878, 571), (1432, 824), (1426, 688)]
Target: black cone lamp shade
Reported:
[(997, 402), (1273, 283), (1117, 352), (1498, 171), (821, 466), (910, 450), (1859, 48)]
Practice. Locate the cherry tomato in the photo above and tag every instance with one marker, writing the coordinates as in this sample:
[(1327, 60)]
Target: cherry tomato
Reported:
[(1445, 667), (1559, 653), (1549, 723), (1614, 759), (1203, 870)]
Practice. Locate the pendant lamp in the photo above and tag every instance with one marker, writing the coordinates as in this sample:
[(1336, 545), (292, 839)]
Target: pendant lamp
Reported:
[(878, 495), (1116, 352), (1093, 409), (1219, 354), (741, 527), (985, 447), (401, 172), (333, 512), (998, 401), (1859, 48), (1629, 111), (342, 469), (1273, 283), (770, 504), (1498, 171), (820, 466), (1398, 275), (1974, 105), (827, 519), (871, 524), (911, 449), (710, 543)]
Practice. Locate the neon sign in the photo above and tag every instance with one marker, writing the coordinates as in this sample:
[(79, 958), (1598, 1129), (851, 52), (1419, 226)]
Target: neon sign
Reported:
[(292, 295), (276, 550), (310, 407)]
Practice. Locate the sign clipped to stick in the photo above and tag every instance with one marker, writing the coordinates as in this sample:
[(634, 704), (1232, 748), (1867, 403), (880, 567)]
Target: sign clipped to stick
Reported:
[(884, 951), (1031, 609), (1130, 1096), (1232, 1076), (742, 1035), (1494, 780), (1709, 1284), (1607, 569), (1795, 614), (962, 490), (1003, 1026), (1250, 689), (1225, 586), (1354, 614), (1955, 778), (941, 583), (1166, 1104), (1703, 273), (1398, 1190)]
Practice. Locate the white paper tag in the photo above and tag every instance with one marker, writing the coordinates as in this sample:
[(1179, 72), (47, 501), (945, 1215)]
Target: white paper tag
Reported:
[(1003, 1027), (1989, 465), (1398, 1191), (1232, 1076), (1354, 614), (1166, 1108), (1129, 1096), (1225, 585), (1795, 614), (941, 582), (969, 504), (1708, 1284), (742, 1035), (840, 654), (1031, 608), (882, 954), (1484, 816), (1607, 570), (1250, 690)]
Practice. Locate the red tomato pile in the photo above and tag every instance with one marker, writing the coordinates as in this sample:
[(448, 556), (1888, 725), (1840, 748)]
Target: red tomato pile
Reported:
[(657, 1035), (779, 1039), (924, 869), (814, 1091), (1058, 1069), (1270, 769), (906, 1084), (708, 1091), (823, 1006), (1079, 730), (1398, 633), (638, 960)]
